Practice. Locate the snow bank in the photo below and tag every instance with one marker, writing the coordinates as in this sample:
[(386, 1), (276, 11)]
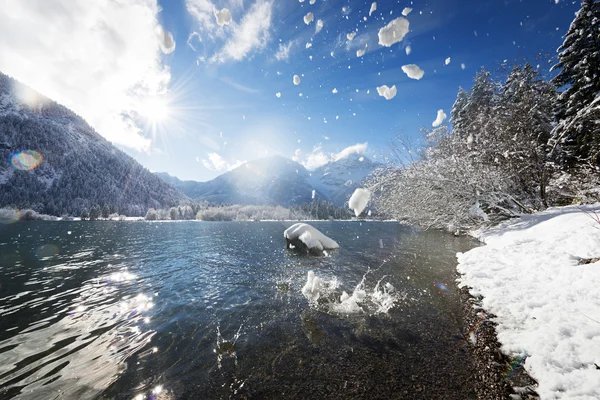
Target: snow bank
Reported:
[(387, 92), (393, 32), (304, 234), (359, 200), (413, 71), (547, 305)]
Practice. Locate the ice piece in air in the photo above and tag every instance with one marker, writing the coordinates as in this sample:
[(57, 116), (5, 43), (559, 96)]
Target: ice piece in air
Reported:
[(305, 239)]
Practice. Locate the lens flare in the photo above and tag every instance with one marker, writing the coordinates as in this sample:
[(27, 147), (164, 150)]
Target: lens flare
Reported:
[(26, 160), (47, 250), (442, 286), (9, 215)]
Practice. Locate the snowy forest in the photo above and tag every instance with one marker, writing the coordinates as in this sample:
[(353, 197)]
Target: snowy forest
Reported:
[(519, 143)]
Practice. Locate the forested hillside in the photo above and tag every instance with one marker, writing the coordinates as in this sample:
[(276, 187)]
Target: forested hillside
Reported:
[(53, 162), (518, 144)]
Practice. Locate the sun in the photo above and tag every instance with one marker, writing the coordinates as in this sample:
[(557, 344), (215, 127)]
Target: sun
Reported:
[(155, 109)]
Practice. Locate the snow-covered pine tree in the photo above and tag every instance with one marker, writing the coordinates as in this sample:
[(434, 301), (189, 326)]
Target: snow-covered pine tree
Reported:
[(578, 106)]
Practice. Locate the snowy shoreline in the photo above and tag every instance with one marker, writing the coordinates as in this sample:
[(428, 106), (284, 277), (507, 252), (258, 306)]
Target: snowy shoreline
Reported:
[(538, 277)]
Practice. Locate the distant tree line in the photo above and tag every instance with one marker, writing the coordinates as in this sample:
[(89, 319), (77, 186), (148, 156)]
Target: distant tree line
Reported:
[(517, 144)]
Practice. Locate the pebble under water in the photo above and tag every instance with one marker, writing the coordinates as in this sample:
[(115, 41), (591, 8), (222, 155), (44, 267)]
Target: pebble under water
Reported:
[(177, 310)]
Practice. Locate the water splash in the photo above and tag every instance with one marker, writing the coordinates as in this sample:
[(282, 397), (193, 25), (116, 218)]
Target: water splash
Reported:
[(323, 294), (226, 348)]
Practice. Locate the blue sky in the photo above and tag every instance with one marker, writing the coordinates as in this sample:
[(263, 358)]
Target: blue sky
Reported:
[(216, 90)]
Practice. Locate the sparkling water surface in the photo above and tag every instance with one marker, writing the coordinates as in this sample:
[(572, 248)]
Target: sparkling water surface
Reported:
[(170, 310)]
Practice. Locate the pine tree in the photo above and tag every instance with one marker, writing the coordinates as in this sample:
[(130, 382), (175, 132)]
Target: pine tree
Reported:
[(578, 107)]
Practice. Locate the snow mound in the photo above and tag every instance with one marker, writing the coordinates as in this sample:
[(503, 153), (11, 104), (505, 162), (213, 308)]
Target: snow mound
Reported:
[(546, 301), (303, 235), (296, 80), (406, 11), (308, 18), (393, 32), (413, 71), (359, 200), (387, 92), (223, 17), (441, 116), (373, 8)]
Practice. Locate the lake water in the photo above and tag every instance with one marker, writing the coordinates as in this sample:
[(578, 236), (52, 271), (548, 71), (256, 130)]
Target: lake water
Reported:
[(139, 310)]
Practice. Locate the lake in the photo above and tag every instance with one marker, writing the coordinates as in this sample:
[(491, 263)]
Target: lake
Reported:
[(208, 310)]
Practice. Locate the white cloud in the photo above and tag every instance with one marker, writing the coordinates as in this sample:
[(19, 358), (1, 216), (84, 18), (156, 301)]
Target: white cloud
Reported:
[(202, 11), (373, 8), (296, 80), (387, 92), (102, 59), (393, 32), (251, 34), (319, 26), (406, 11), (223, 17), (413, 71), (447, 61), (317, 157), (308, 18), (441, 116), (217, 163), (283, 53)]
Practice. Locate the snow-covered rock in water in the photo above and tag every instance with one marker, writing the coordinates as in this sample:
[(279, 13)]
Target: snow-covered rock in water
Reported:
[(359, 200), (305, 238)]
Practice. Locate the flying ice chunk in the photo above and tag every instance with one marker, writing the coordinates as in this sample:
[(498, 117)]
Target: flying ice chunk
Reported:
[(311, 289), (308, 45), (373, 8), (387, 92), (278, 94), (447, 61), (305, 237), (312, 1), (308, 18), (296, 80), (408, 50), (406, 11), (223, 17), (360, 52), (441, 116), (350, 35), (319, 26), (393, 32), (413, 71), (359, 200), (334, 91)]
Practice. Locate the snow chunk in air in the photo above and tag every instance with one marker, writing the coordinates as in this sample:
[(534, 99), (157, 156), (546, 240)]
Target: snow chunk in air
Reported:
[(387, 92), (441, 116), (359, 200), (223, 17), (350, 35), (360, 52), (393, 32), (447, 61), (296, 80), (334, 91), (278, 94), (408, 50), (302, 236), (373, 8), (319, 26), (406, 11), (413, 71), (308, 18)]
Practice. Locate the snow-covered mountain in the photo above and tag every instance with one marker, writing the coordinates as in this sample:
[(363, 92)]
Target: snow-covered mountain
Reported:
[(277, 180), (55, 163)]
